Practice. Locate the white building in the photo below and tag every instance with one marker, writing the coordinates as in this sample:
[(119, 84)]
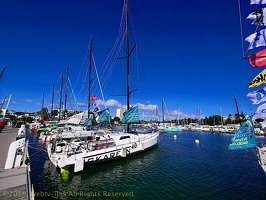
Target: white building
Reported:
[(119, 112)]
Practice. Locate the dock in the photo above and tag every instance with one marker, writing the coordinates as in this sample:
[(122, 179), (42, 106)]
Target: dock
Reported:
[(14, 183)]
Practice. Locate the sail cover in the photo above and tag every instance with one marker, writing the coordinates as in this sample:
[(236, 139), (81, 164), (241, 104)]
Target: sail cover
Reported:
[(131, 115), (244, 137)]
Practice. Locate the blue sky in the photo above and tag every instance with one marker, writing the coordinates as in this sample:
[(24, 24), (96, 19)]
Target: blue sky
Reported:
[(188, 51)]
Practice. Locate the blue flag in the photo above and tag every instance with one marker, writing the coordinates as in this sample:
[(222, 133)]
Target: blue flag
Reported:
[(103, 115), (88, 122), (257, 96), (131, 116), (244, 137)]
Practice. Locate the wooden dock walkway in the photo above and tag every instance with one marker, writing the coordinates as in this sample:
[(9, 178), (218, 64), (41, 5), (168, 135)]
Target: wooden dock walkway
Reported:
[(14, 183)]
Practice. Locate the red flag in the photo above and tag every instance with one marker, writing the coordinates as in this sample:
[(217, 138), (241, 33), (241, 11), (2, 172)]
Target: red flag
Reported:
[(258, 59), (93, 98)]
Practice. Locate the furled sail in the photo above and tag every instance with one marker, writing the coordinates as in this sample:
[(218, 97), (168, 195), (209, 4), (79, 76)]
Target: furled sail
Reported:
[(244, 137), (131, 115)]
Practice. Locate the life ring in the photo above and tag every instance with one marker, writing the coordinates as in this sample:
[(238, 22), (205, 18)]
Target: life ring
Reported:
[(134, 145)]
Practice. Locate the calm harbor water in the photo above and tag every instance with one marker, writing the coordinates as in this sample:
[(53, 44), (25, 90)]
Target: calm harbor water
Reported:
[(175, 169)]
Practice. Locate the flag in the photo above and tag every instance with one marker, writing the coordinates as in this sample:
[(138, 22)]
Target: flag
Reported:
[(103, 115), (93, 98), (257, 39), (258, 96), (258, 17), (260, 112), (258, 80), (88, 122), (258, 59), (244, 137), (257, 2), (131, 115)]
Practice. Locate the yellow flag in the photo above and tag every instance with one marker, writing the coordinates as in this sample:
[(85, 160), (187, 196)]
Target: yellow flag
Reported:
[(258, 80)]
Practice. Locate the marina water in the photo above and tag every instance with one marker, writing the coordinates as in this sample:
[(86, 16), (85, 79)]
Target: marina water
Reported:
[(178, 168)]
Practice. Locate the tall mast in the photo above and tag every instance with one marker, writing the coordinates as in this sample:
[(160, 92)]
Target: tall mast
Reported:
[(42, 105), (221, 116), (90, 80), (60, 103), (5, 110), (127, 55), (2, 72), (66, 92), (2, 103), (163, 108), (52, 99), (7, 103)]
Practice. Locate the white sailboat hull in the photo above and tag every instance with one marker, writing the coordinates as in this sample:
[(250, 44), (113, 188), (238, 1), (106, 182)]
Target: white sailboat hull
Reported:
[(101, 150), (261, 151)]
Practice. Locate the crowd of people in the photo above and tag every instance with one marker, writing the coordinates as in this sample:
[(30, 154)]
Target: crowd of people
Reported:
[(14, 123)]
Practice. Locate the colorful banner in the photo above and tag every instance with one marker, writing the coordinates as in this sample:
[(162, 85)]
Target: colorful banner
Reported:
[(258, 96), (103, 116), (257, 2), (257, 39), (244, 137), (258, 80), (260, 112), (88, 122), (258, 59), (131, 115), (93, 98), (258, 17)]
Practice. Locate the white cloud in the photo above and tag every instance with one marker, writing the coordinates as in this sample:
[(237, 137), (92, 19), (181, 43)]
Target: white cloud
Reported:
[(29, 100), (15, 103), (38, 104), (82, 104), (148, 107), (111, 103)]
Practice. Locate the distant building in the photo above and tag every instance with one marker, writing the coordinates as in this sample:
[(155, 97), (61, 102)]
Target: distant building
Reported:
[(119, 112)]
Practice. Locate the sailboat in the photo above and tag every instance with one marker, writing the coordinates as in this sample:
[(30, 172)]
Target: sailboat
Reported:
[(104, 146), (169, 128), (78, 126), (245, 136)]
